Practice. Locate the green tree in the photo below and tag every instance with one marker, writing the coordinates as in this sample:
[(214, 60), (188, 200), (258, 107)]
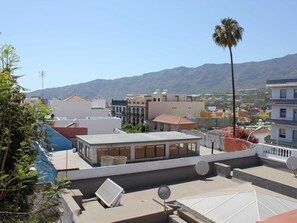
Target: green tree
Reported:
[(129, 128), (228, 34), (19, 199)]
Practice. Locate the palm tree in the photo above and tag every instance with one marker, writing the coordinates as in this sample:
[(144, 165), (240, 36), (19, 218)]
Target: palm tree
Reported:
[(228, 34)]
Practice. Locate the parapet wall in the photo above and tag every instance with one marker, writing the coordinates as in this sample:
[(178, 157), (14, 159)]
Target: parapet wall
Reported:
[(149, 179)]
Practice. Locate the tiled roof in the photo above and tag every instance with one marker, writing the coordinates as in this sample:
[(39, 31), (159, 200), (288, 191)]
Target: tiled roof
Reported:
[(288, 217), (74, 98), (173, 119)]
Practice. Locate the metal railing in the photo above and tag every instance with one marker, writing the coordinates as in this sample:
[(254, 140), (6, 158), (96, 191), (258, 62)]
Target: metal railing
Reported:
[(274, 152)]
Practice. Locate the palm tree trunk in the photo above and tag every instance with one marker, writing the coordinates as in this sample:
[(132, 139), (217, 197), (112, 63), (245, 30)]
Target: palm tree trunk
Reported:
[(233, 90)]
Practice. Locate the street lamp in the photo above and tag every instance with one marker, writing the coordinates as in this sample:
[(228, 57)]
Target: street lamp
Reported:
[(256, 129)]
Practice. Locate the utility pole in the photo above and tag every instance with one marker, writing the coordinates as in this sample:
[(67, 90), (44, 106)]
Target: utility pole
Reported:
[(42, 75)]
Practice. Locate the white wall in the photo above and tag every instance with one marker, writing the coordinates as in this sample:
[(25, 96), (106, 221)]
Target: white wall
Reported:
[(103, 125), (175, 108), (153, 165), (275, 111), (289, 132), (79, 110), (169, 97), (275, 92)]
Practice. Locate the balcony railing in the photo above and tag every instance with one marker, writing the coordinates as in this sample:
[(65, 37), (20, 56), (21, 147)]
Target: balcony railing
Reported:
[(274, 152), (281, 100), (282, 121)]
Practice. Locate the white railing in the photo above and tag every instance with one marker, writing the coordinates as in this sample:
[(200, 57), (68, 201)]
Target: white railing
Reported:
[(273, 152)]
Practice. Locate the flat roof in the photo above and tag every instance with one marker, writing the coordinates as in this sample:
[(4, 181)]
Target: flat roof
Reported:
[(146, 202), (281, 83), (151, 137)]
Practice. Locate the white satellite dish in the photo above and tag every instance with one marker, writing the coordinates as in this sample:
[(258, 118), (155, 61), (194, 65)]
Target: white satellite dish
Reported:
[(292, 162), (202, 167), (164, 192)]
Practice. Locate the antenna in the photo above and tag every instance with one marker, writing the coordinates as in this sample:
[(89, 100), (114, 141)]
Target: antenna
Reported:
[(202, 167), (292, 164), (42, 75)]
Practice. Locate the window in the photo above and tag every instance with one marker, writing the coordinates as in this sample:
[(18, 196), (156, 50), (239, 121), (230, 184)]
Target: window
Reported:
[(295, 93), (87, 151), (282, 113), (80, 146), (294, 135), (149, 151), (283, 93), (139, 152), (168, 127), (155, 127), (161, 126), (182, 149), (282, 133), (160, 150)]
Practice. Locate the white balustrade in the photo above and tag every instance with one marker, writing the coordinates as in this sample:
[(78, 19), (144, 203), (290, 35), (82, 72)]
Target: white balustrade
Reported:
[(275, 152)]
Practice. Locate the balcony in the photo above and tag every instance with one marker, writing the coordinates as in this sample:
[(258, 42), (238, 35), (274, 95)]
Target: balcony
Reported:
[(271, 101), (275, 152), (282, 121)]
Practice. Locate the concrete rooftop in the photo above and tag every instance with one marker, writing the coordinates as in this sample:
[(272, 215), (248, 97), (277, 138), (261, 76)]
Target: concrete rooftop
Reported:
[(152, 137), (146, 202)]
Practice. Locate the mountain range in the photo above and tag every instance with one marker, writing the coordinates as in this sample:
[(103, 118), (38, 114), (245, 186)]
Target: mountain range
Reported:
[(203, 79)]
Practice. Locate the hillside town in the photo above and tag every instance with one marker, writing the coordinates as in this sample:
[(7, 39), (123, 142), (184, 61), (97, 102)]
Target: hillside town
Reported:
[(179, 143), (157, 139)]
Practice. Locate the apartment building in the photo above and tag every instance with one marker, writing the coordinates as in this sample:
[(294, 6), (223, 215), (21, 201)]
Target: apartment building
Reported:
[(145, 107), (283, 103), (137, 111), (174, 104), (119, 109)]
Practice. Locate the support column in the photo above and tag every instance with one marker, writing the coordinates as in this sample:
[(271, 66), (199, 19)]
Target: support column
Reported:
[(132, 153), (167, 150)]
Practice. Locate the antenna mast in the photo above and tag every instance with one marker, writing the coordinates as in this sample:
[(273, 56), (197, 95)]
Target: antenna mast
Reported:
[(42, 75)]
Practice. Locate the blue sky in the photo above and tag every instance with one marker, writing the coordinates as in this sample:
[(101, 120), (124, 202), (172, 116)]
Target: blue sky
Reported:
[(78, 41)]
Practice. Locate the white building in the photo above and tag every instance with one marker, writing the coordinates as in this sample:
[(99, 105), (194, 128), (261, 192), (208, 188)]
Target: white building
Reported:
[(284, 111), (95, 125), (138, 146), (77, 107)]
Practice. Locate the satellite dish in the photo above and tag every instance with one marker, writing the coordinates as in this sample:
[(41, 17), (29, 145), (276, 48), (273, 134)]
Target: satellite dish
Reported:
[(164, 192), (202, 167), (292, 162)]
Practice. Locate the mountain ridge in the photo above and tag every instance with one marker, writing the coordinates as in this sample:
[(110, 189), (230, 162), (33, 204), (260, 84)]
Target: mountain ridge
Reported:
[(203, 79)]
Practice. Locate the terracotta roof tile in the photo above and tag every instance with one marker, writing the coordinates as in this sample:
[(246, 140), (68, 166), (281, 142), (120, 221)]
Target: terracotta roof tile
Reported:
[(74, 98), (173, 119)]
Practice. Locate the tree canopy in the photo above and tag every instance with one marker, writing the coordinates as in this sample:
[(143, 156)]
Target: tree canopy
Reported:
[(19, 199)]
